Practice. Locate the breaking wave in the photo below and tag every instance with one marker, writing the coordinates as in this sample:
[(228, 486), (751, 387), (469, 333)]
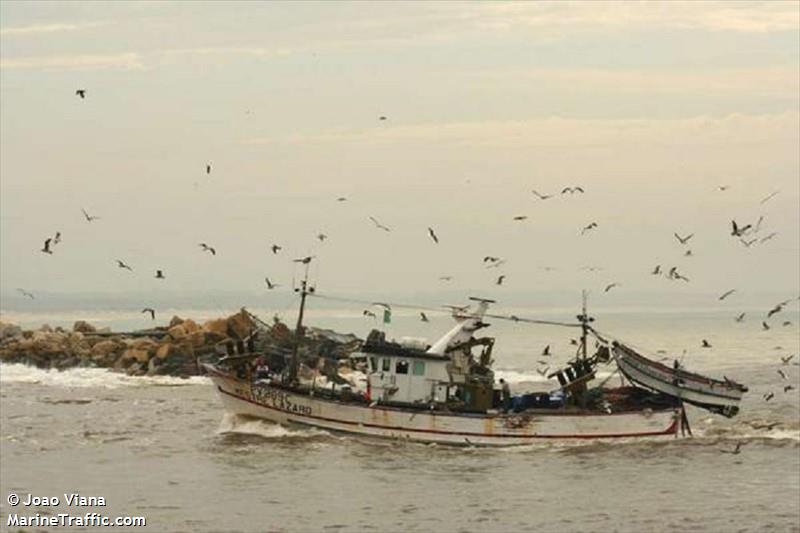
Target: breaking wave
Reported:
[(88, 377), (243, 425)]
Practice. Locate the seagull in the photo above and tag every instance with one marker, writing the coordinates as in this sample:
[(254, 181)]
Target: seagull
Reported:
[(151, 311), (737, 231), (767, 397), (740, 318), (276, 248), (728, 293), (764, 326), (500, 279), (26, 293), (591, 268), (572, 190), (542, 196), (207, 248), (656, 271), (445, 278), (519, 218), (367, 312), (706, 344), (543, 371), (433, 235), (785, 360), (782, 374), (322, 237), (341, 199), (490, 259), (270, 285), (768, 237), (121, 264), (304, 260), (88, 217), (724, 187), (423, 317), (382, 117), (546, 350), (787, 388), (758, 224), (496, 264), (587, 228), (46, 248), (378, 224), (735, 451), (160, 274), (208, 168), (611, 286), (81, 93), (57, 238), (768, 198), (687, 253), (683, 240), (747, 243), (786, 323), (777, 309)]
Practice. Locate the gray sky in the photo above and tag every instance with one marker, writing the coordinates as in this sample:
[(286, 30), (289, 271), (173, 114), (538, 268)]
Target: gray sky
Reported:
[(650, 107)]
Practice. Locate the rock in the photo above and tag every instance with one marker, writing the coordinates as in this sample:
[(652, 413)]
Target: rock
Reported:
[(175, 321), (148, 345), (218, 326), (46, 328), (196, 339), (240, 325), (9, 331), (163, 351), (177, 332), (131, 356), (84, 327), (104, 353), (190, 326)]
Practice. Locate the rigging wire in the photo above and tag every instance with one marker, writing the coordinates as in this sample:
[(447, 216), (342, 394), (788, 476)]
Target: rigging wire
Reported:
[(440, 309)]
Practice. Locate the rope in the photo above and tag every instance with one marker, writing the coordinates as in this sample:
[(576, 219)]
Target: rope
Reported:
[(441, 309)]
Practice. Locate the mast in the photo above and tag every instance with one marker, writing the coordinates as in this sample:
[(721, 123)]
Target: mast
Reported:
[(304, 291), (584, 319)]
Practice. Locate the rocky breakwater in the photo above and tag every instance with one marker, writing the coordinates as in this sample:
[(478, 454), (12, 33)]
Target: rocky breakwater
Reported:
[(173, 350)]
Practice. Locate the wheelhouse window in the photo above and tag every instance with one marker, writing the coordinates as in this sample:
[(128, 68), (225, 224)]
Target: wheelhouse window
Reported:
[(387, 364), (402, 367), (373, 364), (419, 368)]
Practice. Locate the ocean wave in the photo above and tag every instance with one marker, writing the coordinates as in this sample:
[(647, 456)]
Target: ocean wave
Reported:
[(88, 377), (244, 425)]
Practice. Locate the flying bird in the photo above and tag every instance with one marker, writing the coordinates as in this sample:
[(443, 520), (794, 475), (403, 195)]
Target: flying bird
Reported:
[(151, 311), (543, 371), (768, 237), (683, 240), (787, 388), (777, 309), (785, 360), (587, 228), (724, 187), (304, 260), (208, 168), (786, 323), (737, 231), (445, 278), (728, 293), (160, 274), (490, 259), (341, 199), (687, 253), (764, 326), (433, 235), (500, 279), (782, 374), (705, 344), (572, 190), (748, 244), (768, 198), (542, 196), (322, 237), (656, 271), (611, 286), (740, 318), (88, 217), (270, 285), (57, 238), (546, 350), (81, 93), (520, 217), (207, 248), (276, 248), (46, 248), (121, 264), (367, 312), (423, 317), (379, 225), (768, 396), (382, 117), (26, 294)]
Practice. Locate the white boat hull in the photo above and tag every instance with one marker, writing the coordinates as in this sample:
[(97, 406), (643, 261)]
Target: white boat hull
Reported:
[(289, 408)]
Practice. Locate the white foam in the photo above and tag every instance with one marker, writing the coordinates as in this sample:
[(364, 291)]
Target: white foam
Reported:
[(88, 377), (253, 426)]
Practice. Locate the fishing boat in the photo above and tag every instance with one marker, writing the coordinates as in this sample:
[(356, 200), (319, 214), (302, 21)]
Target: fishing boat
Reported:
[(446, 392), (719, 396)]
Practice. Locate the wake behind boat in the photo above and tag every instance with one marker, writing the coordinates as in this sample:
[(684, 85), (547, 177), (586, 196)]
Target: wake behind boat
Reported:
[(446, 392)]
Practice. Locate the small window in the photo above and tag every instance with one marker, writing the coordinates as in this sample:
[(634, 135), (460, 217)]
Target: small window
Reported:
[(419, 368), (373, 364), (401, 368), (387, 364)]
